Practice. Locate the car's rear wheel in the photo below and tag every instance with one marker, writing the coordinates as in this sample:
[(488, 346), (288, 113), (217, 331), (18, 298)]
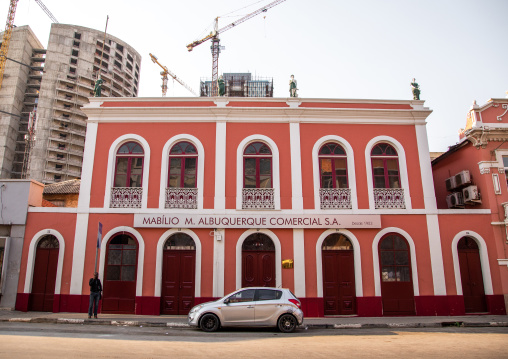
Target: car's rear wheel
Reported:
[(287, 323), (209, 323)]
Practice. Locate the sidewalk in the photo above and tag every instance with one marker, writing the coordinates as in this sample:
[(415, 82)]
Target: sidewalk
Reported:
[(342, 322)]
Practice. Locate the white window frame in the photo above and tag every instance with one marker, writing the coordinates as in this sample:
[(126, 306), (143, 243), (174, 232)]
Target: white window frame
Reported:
[(404, 180), (110, 176), (275, 168), (165, 168), (351, 173)]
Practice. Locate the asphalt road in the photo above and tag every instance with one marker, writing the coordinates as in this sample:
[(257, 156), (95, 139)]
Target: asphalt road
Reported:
[(31, 340)]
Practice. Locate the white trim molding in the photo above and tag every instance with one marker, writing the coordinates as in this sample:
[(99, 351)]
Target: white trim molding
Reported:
[(220, 165), (375, 259), (299, 262), (357, 260), (275, 168), (351, 173), (165, 164), (87, 167), (111, 167), (484, 260), (141, 255), (296, 166), (278, 255), (404, 180), (32, 250), (158, 260)]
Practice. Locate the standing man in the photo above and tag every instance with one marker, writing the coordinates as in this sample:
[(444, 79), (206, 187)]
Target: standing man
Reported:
[(95, 295)]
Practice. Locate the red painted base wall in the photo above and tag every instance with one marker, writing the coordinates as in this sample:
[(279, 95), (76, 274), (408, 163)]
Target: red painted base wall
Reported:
[(312, 307)]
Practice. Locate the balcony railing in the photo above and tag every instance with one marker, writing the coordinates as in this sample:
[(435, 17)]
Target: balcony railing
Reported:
[(335, 198), (389, 198), (126, 197), (181, 198), (258, 198)]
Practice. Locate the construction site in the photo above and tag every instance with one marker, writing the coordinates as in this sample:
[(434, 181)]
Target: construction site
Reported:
[(43, 89)]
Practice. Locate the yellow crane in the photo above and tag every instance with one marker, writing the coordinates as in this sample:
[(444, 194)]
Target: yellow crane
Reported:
[(164, 73), (214, 36), (6, 39)]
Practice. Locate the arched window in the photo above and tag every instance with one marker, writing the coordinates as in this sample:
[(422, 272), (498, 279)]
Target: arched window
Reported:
[(333, 166), (129, 165), (385, 166), (257, 166), (183, 159)]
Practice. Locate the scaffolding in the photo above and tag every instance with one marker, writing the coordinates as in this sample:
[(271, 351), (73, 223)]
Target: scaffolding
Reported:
[(240, 85)]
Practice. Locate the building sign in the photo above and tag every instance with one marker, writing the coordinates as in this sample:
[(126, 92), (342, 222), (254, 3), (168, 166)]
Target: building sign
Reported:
[(256, 221)]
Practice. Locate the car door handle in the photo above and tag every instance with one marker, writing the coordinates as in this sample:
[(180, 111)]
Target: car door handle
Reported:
[(250, 306)]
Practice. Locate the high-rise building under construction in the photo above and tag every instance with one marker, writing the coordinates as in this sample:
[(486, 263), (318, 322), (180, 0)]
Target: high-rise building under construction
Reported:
[(57, 81), (241, 84)]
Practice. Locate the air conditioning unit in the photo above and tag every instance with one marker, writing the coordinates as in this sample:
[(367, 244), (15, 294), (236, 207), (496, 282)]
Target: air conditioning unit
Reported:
[(470, 194), (450, 183), (454, 200), (462, 178)]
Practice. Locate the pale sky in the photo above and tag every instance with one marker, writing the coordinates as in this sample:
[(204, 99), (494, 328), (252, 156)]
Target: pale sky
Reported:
[(364, 49)]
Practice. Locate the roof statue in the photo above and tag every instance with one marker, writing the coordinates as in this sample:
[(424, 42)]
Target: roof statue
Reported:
[(416, 90), (98, 87), (221, 85), (292, 87)]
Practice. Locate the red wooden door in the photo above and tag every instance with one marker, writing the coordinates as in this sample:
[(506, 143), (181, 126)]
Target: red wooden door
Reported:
[(44, 279), (258, 268), (339, 282), (471, 276), (396, 278), (119, 288), (178, 274)]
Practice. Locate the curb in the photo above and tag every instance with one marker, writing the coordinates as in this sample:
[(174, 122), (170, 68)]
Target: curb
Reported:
[(130, 323)]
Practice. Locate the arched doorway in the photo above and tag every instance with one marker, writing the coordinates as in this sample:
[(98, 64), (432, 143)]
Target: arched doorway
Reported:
[(471, 276), (178, 274), (396, 276), (338, 275), (120, 275), (44, 275), (258, 261)]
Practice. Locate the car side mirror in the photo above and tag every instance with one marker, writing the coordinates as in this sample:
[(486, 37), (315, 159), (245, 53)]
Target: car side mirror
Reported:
[(226, 301)]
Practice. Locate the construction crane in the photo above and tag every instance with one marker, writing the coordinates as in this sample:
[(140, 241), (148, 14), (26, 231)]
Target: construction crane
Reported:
[(46, 10), (214, 36), (6, 39), (164, 73)]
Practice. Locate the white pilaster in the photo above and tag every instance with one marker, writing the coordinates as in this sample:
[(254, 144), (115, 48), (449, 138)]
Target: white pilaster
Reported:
[(429, 198), (436, 254), (218, 262), (296, 166), (87, 169), (299, 262), (220, 166), (78, 253), (429, 195)]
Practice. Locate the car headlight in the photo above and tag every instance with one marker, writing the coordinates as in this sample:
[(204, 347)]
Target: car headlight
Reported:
[(196, 308)]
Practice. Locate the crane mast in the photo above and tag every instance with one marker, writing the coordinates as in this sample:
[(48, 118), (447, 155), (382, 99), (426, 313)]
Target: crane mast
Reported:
[(214, 36), (7, 38), (164, 73)]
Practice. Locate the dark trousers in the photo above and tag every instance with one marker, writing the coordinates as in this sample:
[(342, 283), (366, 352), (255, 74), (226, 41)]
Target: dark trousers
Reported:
[(94, 303)]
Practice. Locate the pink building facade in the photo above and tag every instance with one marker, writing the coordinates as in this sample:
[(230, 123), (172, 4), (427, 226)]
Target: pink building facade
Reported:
[(333, 199)]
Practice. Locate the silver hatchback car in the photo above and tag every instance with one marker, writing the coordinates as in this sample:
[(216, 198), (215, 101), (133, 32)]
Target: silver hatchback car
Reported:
[(253, 307)]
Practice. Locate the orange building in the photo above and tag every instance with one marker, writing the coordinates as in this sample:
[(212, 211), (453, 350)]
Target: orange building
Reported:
[(197, 197)]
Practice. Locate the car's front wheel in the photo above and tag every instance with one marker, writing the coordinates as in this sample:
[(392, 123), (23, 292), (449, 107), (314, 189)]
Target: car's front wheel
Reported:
[(209, 323), (287, 323)]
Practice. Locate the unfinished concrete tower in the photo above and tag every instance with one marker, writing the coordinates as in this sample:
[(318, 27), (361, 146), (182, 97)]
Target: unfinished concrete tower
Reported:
[(18, 96), (60, 81)]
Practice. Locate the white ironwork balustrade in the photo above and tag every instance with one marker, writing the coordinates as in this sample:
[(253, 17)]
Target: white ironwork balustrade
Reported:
[(126, 197), (182, 198), (389, 198), (258, 198), (335, 198)]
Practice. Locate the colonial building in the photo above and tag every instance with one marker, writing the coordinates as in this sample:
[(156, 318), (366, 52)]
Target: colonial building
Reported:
[(192, 198)]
